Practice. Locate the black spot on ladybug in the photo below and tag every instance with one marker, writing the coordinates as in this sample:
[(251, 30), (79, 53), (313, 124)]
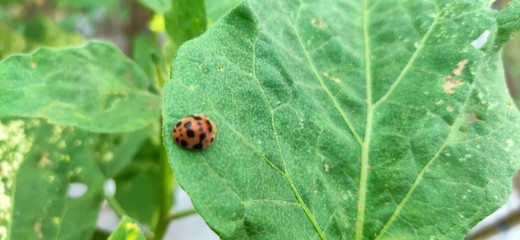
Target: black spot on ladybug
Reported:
[(190, 133), (198, 146), (187, 125), (212, 139), (202, 136), (197, 118), (174, 130), (184, 143), (177, 140), (210, 129), (178, 124)]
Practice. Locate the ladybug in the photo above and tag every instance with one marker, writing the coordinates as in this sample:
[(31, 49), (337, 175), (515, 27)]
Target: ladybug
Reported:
[(194, 132)]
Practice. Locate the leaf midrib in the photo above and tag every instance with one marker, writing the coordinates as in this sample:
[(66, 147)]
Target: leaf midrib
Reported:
[(360, 217), (369, 124)]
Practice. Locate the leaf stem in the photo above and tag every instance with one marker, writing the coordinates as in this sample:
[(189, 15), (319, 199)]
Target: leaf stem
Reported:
[(116, 207), (181, 214), (166, 189)]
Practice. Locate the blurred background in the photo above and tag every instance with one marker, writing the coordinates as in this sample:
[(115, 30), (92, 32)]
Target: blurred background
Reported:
[(138, 28)]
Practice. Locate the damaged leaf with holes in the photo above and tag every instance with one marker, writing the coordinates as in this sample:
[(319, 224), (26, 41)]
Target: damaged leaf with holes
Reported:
[(348, 123), (53, 176)]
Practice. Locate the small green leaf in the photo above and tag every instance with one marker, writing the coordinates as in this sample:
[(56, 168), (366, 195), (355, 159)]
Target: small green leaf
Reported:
[(10, 41), (508, 22), (346, 119), (42, 31), (94, 87), (149, 58), (127, 230)]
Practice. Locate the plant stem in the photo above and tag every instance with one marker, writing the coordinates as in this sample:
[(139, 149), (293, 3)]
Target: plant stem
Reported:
[(166, 195), (181, 214), (116, 207)]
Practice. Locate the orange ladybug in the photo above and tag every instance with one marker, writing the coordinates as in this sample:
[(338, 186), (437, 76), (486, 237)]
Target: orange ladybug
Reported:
[(194, 132)]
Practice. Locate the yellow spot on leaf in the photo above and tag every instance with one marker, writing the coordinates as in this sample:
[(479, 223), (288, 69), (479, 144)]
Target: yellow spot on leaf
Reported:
[(450, 84), (335, 79), (56, 220), (460, 67), (38, 229), (318, 23), (44, 161)]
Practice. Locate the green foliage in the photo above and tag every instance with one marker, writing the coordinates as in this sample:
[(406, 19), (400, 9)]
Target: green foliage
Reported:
[(127, 230), (87, 4), (42, 163), (10, 41), (138, 188), (41, 31), (508, 22), (217, 8), (347, 119), (185, 20), (98, 89), (159, 6)]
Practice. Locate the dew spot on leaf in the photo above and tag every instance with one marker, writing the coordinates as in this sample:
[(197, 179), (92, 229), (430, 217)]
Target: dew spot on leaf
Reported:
[(481, 40), (77, 190), (109, 187), (318, 23)]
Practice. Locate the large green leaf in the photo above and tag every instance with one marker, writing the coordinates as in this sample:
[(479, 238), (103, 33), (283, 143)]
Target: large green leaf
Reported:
[(94, 87), (347, 119), (52, 177)]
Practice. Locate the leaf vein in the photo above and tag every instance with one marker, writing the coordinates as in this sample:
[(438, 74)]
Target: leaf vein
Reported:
[(426, 167), (322, 84), (411, 61), (275, 133)]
